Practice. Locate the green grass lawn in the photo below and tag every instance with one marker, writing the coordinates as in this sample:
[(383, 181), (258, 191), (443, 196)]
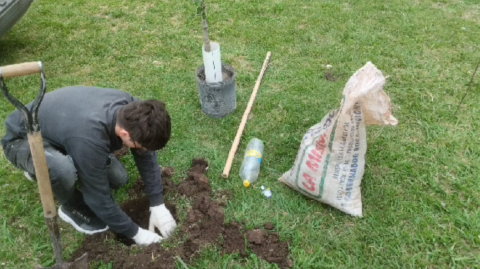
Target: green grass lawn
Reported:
[(421, 190)]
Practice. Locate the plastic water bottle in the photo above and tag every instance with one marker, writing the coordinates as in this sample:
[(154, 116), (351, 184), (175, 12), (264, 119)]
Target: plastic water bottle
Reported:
[(251, 162)]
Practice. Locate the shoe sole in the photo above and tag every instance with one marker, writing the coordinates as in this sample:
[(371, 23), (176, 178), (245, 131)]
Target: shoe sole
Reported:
[(67, 219), (28, 177)]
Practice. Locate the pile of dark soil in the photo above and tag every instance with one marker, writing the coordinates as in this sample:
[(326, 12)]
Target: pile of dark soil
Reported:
[(205, 225)]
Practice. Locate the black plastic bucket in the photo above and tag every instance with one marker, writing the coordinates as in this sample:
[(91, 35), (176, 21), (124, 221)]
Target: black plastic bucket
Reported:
[(218, 99)]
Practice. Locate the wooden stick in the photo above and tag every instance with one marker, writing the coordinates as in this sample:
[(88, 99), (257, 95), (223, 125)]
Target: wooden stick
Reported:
[(233, 150)]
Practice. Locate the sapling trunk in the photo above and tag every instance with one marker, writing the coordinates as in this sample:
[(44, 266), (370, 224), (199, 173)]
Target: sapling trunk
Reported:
[(210, 50), (206, 39)]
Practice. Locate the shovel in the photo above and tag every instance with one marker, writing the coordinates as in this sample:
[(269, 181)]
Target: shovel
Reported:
[(35, 141)]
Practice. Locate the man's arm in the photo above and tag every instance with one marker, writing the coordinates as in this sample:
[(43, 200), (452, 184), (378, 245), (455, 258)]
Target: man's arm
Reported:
[(160, 216), (151, 173), (91, 163)]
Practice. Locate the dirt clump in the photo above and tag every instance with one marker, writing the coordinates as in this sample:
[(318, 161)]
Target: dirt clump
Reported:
[(196, 184), (122, 152), (204, 225), (330, 77), (168, 172), (268, 246), (234, 239), (256, 236), (269, 226)]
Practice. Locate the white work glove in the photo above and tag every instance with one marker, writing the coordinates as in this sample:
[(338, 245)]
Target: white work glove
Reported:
[(162, 219), (145, 237)]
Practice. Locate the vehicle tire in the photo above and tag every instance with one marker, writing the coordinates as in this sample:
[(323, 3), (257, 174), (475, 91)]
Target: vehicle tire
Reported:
[(11, 11)]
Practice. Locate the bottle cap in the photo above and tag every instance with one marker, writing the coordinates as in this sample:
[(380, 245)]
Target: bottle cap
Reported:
[(246, 183)]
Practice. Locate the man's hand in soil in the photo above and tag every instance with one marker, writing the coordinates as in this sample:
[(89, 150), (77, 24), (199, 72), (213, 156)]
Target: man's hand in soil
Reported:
[(162, 219), (145, 237)]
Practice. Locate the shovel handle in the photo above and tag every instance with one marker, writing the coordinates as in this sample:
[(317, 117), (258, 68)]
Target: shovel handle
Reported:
[(41, 173), (19, 70), (25, 69)]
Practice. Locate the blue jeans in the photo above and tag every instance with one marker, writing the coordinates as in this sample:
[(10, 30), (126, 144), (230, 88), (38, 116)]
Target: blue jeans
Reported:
[(61, 168)]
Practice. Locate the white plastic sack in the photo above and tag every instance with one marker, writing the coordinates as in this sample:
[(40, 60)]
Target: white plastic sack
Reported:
[(330, 163)]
